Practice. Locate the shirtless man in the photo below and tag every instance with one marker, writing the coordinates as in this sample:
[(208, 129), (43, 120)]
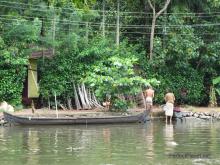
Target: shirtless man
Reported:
[(149, 95), (169, 99)]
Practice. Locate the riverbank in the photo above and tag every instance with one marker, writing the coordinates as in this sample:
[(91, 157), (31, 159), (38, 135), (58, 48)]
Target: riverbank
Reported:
[(204, 113), (52, 113), (157, 111)]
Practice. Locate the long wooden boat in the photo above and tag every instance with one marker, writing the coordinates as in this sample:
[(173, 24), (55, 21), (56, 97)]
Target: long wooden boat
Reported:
[(65, 120)]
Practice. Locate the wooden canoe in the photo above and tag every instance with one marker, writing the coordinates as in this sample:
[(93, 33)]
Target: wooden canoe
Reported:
[(31, 120)]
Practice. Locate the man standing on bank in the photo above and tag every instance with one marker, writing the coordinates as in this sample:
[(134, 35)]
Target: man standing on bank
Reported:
[(169, 99), (149, 95)]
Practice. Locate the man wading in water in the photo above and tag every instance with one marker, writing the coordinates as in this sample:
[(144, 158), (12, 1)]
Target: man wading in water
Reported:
[(169, 99), (149, 95)]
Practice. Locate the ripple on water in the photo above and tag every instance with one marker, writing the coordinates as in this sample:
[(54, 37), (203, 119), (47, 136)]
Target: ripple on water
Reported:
[(132, 144)]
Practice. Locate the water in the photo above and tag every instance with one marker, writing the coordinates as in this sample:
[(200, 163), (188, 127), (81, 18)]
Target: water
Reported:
[(129, 144)]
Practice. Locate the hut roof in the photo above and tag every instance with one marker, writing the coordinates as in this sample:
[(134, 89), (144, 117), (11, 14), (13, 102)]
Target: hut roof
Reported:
[(41, 53)]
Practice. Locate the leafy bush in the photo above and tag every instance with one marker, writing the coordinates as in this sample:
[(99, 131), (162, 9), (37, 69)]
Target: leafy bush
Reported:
[(115, 77), (119, 105), (14, 53), (187, 89)]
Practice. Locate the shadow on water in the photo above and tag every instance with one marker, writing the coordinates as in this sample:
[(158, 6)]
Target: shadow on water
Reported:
[(153, 142)]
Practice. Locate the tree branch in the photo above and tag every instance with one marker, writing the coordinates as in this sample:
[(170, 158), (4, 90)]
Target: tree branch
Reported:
[(151, 6), (164, 8)]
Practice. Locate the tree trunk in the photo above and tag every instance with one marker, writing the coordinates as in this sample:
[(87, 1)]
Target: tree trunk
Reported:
[(152, 38), (69, 103), (85, 96), (155, 16), (78, 106), (84, 106), (48, 102)]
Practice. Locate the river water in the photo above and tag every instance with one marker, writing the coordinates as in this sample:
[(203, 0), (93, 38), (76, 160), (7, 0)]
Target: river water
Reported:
[(153, 143)]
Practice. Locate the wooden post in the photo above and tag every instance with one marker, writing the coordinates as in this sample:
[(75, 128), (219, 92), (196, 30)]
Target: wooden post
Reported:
[(32, 106)]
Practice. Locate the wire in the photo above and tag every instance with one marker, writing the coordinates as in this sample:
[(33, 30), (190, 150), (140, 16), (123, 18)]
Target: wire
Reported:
[(123, 32), (129, 26), (111, 11)]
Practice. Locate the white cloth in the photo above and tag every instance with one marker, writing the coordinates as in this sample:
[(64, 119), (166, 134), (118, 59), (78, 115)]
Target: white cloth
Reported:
[(169, 109), (149, 100)]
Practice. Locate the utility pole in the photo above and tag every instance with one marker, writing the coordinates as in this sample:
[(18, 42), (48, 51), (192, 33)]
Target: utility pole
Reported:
[(87, 32), (54, 32), (118, 24), (103, 18), (165, 29)]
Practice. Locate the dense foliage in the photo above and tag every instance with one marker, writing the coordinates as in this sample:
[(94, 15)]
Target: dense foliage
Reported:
[(82, 34), (15, 44)]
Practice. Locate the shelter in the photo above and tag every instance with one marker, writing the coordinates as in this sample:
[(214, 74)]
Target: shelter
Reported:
[(31, 86)]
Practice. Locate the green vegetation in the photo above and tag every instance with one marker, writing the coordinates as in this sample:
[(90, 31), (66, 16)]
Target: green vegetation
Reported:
[(84, 38), (15, 41)]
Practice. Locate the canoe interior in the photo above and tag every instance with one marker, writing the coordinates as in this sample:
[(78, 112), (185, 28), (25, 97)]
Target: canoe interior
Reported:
[(74, 119)]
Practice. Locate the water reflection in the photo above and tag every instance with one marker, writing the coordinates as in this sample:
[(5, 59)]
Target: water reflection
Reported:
[(33, 147), (106, 135), (2, 139), (132, 144), (169, 137), (150, 140)]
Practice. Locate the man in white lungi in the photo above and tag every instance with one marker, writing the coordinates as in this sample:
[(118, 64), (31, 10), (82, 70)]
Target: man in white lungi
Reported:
[(169, 99)]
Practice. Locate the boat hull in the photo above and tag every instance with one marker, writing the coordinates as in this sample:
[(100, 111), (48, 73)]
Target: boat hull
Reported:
[(71, 120)]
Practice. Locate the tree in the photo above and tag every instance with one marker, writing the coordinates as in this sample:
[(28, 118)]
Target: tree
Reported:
[(15, 46), (116, 78), (155, 16)]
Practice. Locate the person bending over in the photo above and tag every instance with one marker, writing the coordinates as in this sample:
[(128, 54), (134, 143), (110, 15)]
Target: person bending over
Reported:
[(169, 99)]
